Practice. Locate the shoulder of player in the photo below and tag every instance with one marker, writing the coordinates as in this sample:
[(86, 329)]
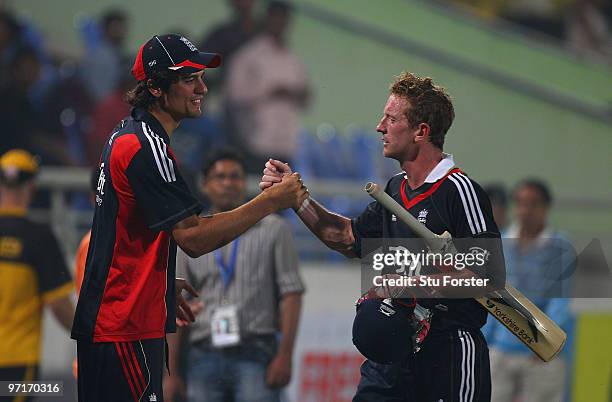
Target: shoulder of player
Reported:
[(394, 183), (459, 185), (138, 138)]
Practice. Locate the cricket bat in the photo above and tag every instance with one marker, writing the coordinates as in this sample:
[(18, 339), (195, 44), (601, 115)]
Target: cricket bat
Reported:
[(519, 315)]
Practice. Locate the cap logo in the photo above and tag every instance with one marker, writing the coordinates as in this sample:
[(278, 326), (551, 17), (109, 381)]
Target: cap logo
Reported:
[(189, 44), (152, 63)]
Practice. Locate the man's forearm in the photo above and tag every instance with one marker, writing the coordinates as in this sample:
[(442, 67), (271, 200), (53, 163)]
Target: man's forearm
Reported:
[(174, 350), (201, 235), (290, 307), (332, 229), (63, 310)]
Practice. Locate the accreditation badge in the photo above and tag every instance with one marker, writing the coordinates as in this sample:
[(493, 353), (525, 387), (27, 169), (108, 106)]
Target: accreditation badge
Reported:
[(224, 326)]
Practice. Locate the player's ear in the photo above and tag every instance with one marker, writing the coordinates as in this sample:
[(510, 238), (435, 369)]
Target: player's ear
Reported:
[(154, 90), (422, 132)]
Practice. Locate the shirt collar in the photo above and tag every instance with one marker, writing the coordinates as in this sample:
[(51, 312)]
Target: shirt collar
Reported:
[(140, 114), (441, 169)]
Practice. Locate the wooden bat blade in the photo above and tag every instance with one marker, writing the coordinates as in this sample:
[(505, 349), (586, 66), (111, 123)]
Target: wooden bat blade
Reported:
[(517, 313)]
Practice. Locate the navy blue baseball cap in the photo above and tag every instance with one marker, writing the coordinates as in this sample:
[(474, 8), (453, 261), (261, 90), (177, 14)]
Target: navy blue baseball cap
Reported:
[(382, 331), (171, 52)]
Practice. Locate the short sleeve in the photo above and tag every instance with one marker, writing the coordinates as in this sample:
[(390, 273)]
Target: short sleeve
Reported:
[(288, 278), (54, 280), (160, 191)]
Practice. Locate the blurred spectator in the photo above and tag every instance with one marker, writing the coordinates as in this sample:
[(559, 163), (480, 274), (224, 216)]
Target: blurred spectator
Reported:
[(588, 30), (226, 39), (24, 124), (110, 110), (68, 107), (267, 86), (538, 260), (251, 292), (10, 39), (229, 36), (196, 137), (106, 62), (33, 273), (499, 203)]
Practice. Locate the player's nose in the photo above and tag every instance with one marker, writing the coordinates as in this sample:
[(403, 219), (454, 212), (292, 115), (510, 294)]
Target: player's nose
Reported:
[(201, 88)]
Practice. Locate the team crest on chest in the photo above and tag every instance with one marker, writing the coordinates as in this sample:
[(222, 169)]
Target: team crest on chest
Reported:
[(423, 216)]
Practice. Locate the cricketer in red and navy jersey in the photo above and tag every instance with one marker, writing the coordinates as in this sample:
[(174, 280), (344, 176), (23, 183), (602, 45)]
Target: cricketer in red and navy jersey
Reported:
[(128, 289)]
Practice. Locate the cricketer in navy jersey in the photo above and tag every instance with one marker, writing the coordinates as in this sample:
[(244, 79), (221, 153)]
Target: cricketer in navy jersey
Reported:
[(452, 363)]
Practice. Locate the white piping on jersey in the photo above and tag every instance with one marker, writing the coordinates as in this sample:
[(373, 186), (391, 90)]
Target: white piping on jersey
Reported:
[(470, 202), (476, 203), (167, 162), (463, 201), (468, 354), (170, 163), (160, 153), (144, 355)]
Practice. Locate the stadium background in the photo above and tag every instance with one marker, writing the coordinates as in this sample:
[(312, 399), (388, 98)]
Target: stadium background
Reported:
[(524, 108)]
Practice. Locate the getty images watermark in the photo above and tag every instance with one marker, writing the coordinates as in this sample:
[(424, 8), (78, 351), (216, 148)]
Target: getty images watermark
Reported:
[(563, 271), (413, 269)]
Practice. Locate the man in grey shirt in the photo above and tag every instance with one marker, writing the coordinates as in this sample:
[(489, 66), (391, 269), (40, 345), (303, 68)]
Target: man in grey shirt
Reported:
[(250, 291)]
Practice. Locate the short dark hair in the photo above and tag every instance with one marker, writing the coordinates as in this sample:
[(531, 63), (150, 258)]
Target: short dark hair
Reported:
[(11, 23), (539, 185), (429, 103), (140, 96), (497, 194), (219, 154), (113, 15)]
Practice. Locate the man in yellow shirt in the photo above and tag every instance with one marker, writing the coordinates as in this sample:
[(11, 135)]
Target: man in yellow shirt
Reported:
[(33, 273)]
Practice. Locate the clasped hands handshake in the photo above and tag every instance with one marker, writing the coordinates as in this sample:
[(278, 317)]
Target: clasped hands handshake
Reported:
[(282, 185)]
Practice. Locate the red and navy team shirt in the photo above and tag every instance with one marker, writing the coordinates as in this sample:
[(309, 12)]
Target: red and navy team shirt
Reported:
[(448, 201), (128, 290)]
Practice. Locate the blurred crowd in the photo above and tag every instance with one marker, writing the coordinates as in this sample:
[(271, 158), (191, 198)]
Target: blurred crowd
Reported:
[(584, 26), (63, 110)]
